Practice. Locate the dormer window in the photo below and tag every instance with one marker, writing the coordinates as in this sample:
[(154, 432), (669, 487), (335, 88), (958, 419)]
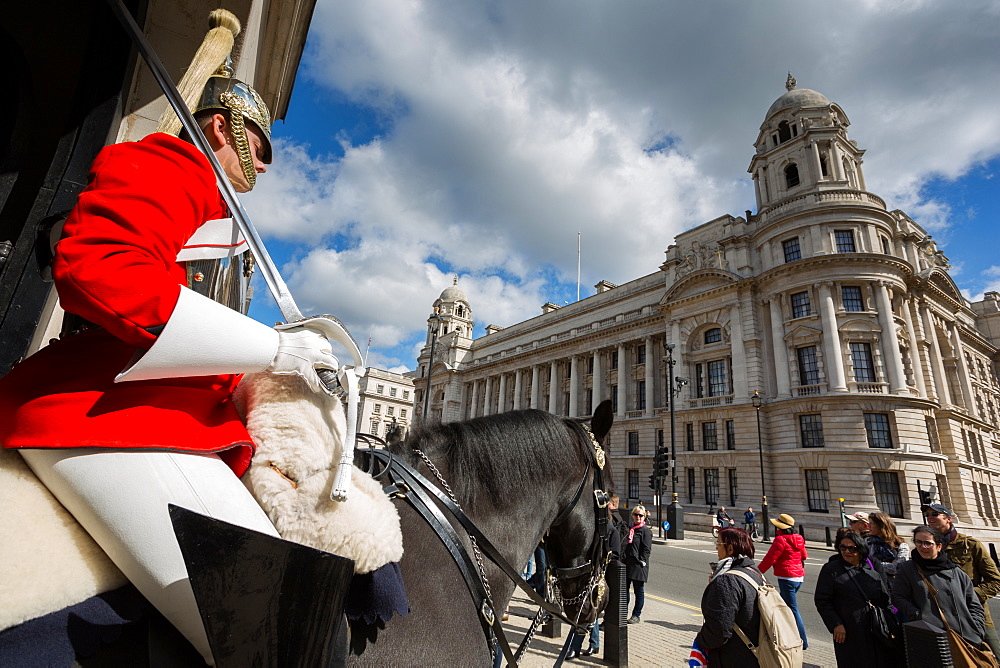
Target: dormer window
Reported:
[(791, 176)]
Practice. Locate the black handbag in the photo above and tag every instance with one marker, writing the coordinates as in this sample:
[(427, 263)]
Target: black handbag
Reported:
[(882, 622)]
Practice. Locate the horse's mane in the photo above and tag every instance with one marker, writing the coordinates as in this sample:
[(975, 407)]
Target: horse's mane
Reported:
[(499, 455)]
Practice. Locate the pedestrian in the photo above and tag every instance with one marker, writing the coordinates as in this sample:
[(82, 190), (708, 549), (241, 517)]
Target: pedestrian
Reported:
[(723, 518), (133, 409), (788, 556), (885, 544), (859, 523), (953, 594), (972, 557), (748, 518), (729, 600), (846, 584), (637, 548)]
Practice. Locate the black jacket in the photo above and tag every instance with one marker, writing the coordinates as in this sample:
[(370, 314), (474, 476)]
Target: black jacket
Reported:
[(615, 529), (842, 595), (955, 595), (730, 599), (637, 554)]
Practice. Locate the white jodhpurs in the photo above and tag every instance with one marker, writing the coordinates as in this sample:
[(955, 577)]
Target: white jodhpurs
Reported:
[(120, 498)]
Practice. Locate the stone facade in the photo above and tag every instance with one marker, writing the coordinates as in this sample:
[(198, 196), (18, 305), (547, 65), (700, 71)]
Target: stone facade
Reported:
[(386, 402), (876, 377)]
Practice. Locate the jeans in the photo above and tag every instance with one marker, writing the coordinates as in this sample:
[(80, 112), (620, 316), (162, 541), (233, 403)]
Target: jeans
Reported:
[(788, 590), (640, 596), (595, 638)]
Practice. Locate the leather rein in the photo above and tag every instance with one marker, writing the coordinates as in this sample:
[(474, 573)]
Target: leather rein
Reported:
[(403, 481)]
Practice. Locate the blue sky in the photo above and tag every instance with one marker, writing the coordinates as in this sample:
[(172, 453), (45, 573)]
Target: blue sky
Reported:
[(427, 139)]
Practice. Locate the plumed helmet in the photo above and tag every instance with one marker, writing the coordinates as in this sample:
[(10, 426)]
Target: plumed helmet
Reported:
[(223, 91)]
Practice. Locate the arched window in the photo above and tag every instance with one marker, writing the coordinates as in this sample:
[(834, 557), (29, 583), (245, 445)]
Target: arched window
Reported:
[(822, 165), (791, 176), (784, 132), (460, 311)]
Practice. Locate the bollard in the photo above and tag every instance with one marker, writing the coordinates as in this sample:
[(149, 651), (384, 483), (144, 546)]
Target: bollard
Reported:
[(615, 626)]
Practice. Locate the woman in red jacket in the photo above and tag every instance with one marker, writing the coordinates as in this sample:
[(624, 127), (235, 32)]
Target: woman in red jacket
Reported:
[(788, 556)]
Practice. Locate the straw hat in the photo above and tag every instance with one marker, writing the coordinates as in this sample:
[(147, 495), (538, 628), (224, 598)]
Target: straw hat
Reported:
[(784, 521)]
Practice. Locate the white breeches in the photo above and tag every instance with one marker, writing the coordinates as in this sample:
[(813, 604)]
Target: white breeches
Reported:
[(120, 498)]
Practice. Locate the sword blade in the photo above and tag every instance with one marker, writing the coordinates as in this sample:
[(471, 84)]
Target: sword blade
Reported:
[(275, 283)]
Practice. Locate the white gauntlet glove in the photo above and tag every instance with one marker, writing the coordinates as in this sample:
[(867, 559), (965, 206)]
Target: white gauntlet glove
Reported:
[(303, 352)]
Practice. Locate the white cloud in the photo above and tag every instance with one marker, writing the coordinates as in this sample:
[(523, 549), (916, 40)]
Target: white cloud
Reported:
[(512, 126)]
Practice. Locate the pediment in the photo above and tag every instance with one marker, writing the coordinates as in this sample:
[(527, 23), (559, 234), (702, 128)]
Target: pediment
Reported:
[(860, 325), (803, 333), (943, 282), (697, 282)]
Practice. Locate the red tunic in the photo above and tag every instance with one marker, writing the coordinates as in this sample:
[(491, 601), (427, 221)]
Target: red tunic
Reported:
[(115, 265)]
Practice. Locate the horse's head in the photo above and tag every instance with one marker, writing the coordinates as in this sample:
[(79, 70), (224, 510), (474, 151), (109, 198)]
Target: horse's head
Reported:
[(576, 544)]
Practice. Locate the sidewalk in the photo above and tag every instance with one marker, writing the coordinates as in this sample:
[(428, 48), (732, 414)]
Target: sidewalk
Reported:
[(663, 638)]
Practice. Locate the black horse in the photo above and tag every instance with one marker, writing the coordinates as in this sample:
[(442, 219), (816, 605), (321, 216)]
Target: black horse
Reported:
[(520, 476)]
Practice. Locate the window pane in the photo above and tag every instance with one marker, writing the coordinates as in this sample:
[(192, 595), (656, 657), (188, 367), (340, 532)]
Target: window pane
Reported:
[(691, 481), (633, 442), (713, 335), (811, 427), (709, 436), (640, 395), (717, 381), (730, 435), (851, 297), (732, 487), (877, 426), (887, 493), (800, 305), (808, 366), (864, 368), (640, 354), (817, 490), (689, 435), (791, 248), (711, 486), (392, 391), (633, 484), (845, 241)]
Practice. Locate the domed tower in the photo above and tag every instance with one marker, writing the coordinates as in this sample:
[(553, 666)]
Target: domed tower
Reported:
[(803, 147), (449, 335), (451, 313)]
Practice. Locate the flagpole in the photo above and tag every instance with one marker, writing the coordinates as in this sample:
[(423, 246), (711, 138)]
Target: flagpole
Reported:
[(367, 348), (577, 266)]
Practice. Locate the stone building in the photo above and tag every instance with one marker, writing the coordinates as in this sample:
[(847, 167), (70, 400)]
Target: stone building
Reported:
[(386, 402), (876, 378)]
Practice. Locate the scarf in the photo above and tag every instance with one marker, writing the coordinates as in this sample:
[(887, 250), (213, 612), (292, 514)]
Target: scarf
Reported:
[(631, 531), (950, 536), (942, 563)]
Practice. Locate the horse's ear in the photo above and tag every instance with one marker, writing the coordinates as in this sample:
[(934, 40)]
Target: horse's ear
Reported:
[(603, 418)]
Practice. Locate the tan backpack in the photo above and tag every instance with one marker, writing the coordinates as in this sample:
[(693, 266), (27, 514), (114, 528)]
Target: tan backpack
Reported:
[(779, 644)]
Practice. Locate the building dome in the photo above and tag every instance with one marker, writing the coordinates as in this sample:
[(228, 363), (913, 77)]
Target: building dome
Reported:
[(453, 293), (797, 97)]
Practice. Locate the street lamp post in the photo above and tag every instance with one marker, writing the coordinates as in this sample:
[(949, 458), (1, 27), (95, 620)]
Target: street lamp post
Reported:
[(756, 401), (675, 512), (434, 324)]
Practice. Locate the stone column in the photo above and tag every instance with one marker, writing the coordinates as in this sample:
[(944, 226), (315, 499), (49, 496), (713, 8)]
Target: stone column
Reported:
[(837, 168), (890, 346), (779, 347), (502, 394), (963, 370), (649, 377), (553, 389), (475, 399), (756, 187), (518, 389), (488, 397), (597, 380), (937, 362), (836, 377), (740, 388), (536, 387), (817, 161), (623, 378), (916, 358), (574, 380)]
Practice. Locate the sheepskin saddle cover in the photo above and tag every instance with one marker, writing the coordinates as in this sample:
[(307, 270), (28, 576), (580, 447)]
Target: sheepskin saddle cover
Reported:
[(300, 436)]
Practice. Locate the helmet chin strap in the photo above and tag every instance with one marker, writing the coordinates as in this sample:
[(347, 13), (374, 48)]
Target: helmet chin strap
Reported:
[(238, 130)]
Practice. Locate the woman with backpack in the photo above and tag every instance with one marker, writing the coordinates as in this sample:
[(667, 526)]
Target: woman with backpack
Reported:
[(788, 556), (728, 600), (846, 585)]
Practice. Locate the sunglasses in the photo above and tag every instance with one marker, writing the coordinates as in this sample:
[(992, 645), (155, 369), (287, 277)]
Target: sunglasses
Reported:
[(932, 514), (848, 548), (924, 543), (637, 515)]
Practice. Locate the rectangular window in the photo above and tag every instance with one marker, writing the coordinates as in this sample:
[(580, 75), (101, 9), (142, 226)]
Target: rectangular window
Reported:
[(732, 487), (845, 241), (711, 486), (640, 354), (633, 442), (406, 395), (730, 435), (877, 427), (850, 295), (375, 428), (614, 398), (380, 389), (377, 409), (699, 380), (718, 384), (709, 436), (590, 401), (808, 365), (887, 494), (817, 490), (791, 248), (590, 363), (886, 248), (689, 435), (614, 359), (390, 410), (640, 395), (811, 428), (565, 403), (633, 483), (864, 366), (392, 391), (800, 304), (402, 413), (691, 480)]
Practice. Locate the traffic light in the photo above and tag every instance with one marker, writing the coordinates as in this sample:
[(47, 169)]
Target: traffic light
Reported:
[(652, 481), (925, 497), (662, 462)]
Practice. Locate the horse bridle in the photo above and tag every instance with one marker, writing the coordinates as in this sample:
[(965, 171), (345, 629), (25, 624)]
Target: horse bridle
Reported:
[(404, 481)]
